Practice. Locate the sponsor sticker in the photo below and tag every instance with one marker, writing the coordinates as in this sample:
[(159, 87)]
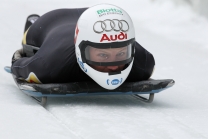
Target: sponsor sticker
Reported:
[(109, 11), (108, 25), (76, 34), (82, 65), (114, 81), (120, 36)]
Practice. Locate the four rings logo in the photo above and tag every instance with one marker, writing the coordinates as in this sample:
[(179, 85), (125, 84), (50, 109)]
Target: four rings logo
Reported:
[(109, 25)]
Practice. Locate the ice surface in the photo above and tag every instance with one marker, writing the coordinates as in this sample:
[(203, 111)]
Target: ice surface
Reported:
[(176, 36)]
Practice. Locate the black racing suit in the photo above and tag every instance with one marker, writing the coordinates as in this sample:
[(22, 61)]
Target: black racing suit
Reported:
[(55, 61)]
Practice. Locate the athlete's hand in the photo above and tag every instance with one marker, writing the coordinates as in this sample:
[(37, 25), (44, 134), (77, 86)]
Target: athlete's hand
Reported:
[(17, 55)]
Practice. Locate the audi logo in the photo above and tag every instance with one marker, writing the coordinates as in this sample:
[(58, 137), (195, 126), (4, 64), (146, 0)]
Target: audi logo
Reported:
[(109, 25)]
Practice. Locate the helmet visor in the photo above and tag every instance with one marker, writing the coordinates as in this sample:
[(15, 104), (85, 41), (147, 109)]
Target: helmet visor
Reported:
[(108, 56)]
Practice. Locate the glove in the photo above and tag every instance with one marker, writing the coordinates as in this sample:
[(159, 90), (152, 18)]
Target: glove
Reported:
[(17, 55)]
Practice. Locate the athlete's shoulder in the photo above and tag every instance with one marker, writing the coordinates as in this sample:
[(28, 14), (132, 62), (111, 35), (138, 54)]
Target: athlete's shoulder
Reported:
[(66, 11)]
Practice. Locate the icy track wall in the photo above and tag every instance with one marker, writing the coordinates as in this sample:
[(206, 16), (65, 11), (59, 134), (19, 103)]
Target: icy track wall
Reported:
[(199, 6)]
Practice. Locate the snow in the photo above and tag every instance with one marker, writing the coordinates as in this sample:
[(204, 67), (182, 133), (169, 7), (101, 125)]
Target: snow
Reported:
[(175, 34)]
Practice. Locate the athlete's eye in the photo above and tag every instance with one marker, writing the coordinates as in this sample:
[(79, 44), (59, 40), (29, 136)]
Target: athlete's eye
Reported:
[(120, 54), (104, 56)]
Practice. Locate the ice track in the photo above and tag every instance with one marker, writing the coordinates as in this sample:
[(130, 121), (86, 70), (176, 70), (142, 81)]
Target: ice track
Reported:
[(175, 35)]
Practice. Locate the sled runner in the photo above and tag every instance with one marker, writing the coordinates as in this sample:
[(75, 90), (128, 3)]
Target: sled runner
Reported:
[(40, 92)]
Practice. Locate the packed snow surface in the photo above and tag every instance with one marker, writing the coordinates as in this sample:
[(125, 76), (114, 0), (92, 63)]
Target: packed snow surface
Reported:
[(174, 34)]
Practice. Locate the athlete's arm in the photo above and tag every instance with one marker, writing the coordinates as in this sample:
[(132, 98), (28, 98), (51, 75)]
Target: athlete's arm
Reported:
[(143, 65)]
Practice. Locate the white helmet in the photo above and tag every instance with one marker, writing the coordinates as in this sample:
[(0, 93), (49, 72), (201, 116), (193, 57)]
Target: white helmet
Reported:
[(104, 38)]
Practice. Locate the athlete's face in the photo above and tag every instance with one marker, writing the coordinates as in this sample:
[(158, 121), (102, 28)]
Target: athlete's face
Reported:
[(108, 55)]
